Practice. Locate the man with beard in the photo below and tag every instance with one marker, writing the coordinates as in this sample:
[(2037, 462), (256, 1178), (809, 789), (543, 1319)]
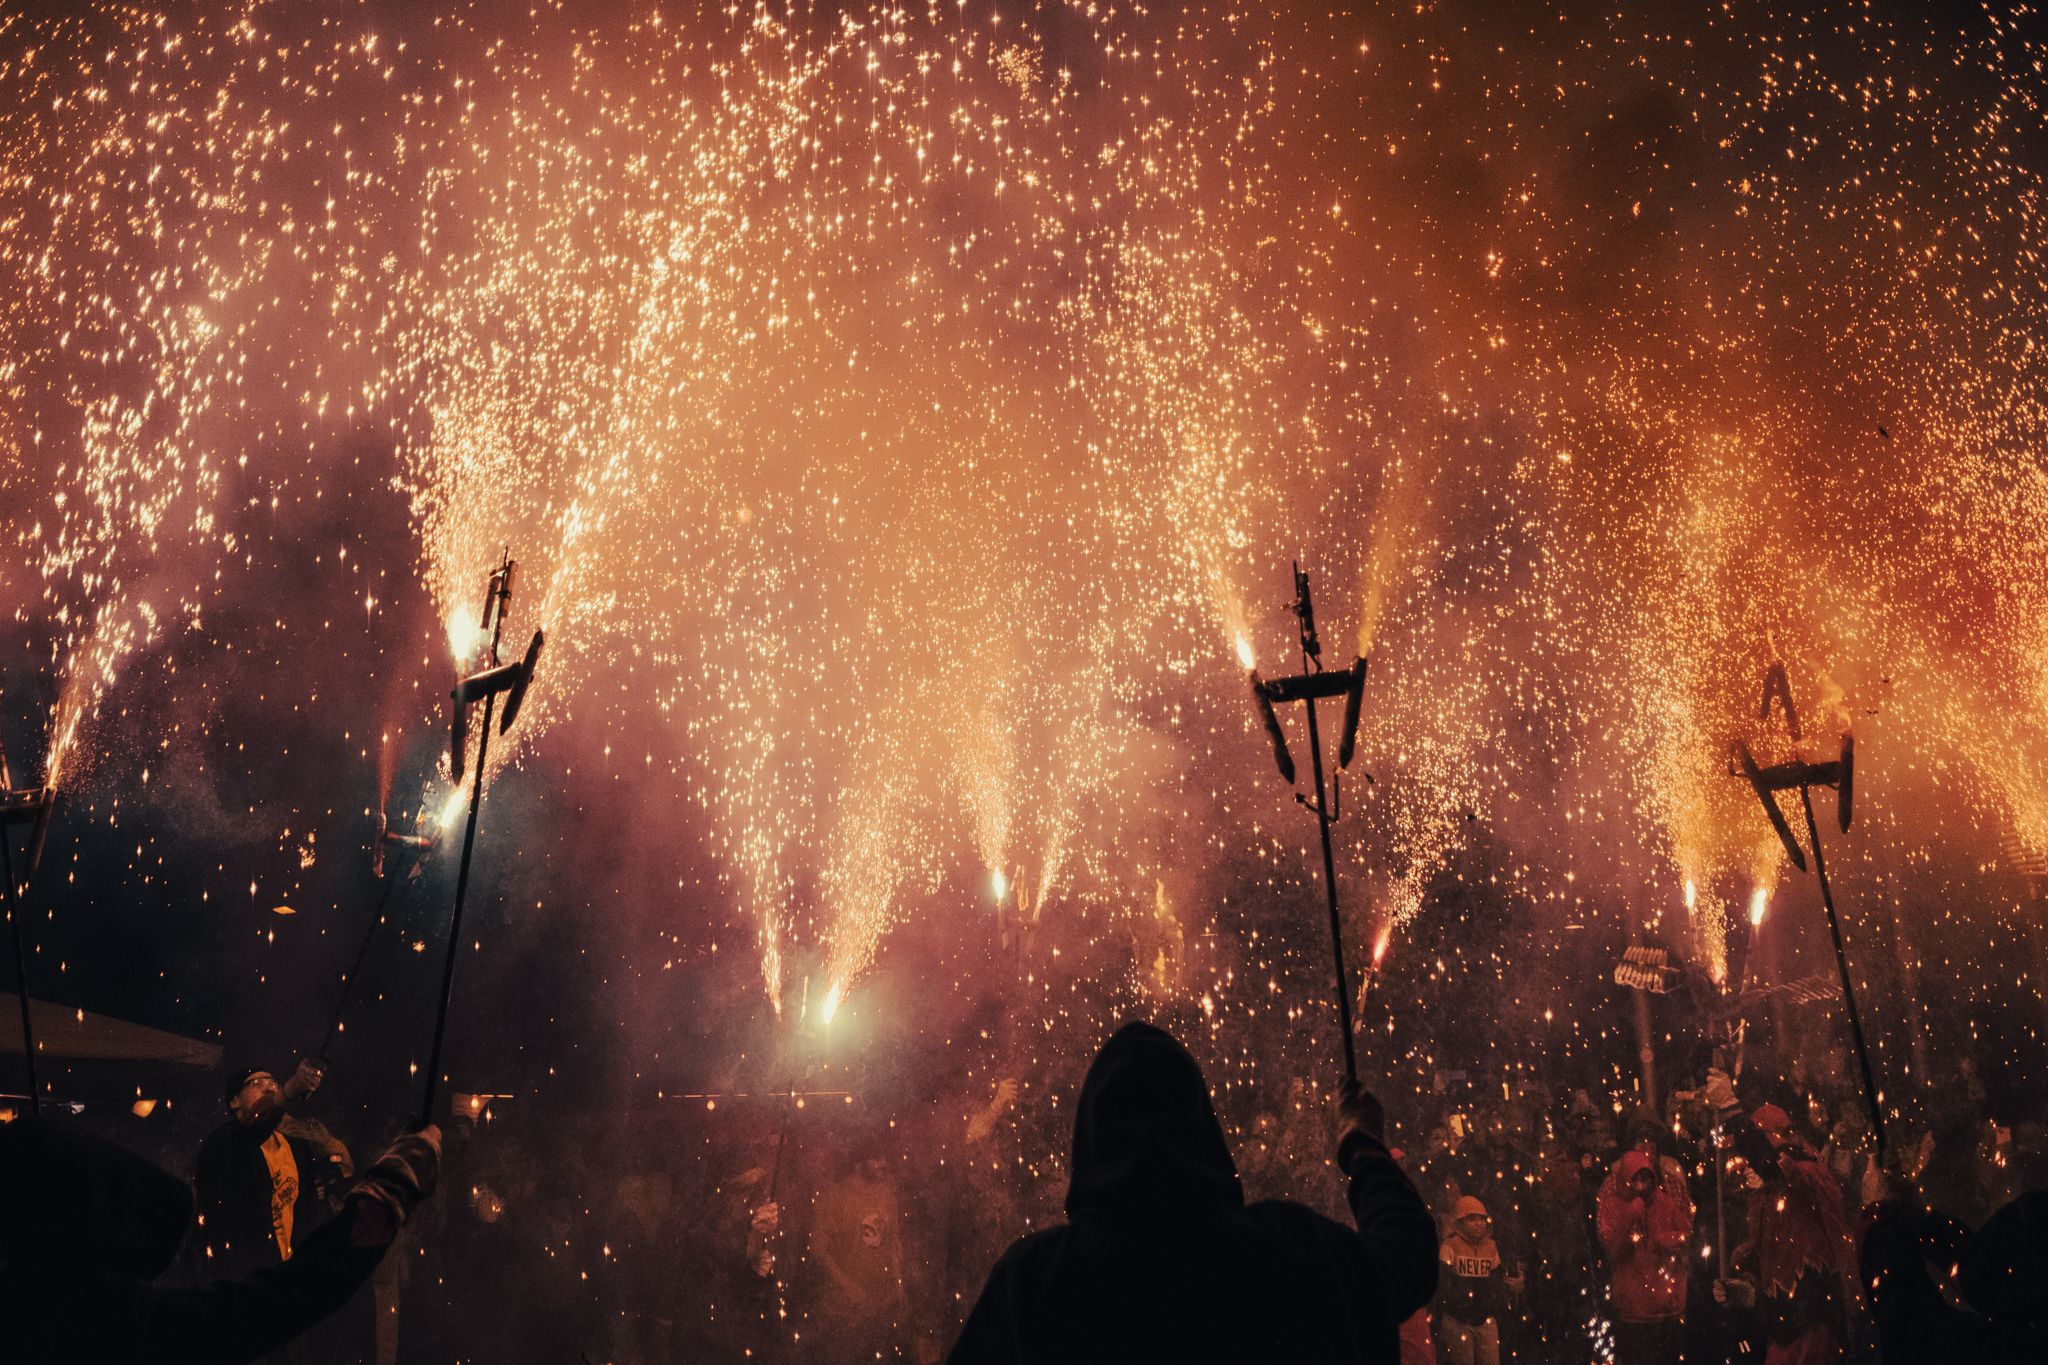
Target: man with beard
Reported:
[(258, 1183)]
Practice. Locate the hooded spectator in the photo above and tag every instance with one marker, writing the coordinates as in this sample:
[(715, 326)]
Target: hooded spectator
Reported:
[(1645, 1220), (1161, 1258)]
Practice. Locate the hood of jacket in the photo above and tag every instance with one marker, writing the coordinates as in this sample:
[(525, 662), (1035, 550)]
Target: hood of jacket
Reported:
[(1146, 1140), (1631, 1162)]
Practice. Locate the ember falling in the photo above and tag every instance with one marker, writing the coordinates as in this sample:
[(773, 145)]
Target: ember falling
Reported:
[(903, 419)]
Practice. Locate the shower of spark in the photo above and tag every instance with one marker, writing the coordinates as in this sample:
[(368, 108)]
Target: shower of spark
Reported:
[(894, 409)]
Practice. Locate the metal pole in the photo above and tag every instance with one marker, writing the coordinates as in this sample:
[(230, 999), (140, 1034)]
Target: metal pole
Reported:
[(1827, 900), (781, 1139), (476, 800), (1315, 748), (348, 982), (1720, 1205), (28, 1032)]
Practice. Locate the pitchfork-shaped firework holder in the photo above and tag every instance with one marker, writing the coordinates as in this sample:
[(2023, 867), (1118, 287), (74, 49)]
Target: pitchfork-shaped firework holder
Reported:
[(485, 685), (1803, 776), (1311, 685)]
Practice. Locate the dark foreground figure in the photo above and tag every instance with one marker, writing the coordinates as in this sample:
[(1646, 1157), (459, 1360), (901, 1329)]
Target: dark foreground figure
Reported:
[(1161, 1259), (86, 1226), (2001, 1271)]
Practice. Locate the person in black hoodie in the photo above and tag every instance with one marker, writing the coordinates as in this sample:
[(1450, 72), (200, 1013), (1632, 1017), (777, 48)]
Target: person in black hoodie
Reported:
[(1161, 1259), (86, 1225)]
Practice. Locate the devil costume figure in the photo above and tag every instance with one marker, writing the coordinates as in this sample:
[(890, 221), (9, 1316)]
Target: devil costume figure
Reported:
[(1801, 1263), (85, 1226), (1161, 1258)]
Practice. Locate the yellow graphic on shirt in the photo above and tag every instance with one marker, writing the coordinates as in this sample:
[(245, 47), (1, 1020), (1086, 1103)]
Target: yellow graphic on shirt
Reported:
[(284, 1190)]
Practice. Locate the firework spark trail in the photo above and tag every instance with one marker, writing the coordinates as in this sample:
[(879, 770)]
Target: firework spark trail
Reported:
[(1017, 358)]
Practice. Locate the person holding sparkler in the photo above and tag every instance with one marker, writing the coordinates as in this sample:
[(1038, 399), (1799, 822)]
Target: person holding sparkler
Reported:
[(1162, 1259)]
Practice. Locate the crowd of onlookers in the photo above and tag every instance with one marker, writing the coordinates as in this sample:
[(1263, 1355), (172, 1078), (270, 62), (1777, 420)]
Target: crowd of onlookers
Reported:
[(1725, 1225), (1596, 1229)]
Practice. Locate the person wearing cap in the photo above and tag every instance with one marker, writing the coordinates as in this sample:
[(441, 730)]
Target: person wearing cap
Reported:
[(87, 1226), (1474, 1286), (255, 1179)]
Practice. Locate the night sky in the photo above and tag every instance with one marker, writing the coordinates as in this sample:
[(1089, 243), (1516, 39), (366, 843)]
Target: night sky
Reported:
[(902, 419)]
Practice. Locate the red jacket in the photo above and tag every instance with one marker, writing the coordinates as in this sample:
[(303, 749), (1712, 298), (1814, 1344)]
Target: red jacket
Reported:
[(1645, 1240)]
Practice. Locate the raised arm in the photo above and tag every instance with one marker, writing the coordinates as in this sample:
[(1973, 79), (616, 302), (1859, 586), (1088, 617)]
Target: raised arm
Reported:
[(1394, 1225), (232, 1321)]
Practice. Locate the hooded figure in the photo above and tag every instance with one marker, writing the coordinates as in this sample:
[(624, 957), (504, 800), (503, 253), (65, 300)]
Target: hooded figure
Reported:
[(1645, 1221), (1161, 1259), (85, 1225)]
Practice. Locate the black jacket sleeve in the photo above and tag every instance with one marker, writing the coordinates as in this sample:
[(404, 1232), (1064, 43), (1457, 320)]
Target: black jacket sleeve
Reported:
[(1394, 1226), (1913, 1321), (120, 1320), (990, 1335), (232, 1321)]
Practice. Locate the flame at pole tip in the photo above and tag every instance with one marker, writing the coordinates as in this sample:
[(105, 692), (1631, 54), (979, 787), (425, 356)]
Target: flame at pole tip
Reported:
[(1759, 902), (1244, 652), (999, 883), (465, 637), (831, 1005)]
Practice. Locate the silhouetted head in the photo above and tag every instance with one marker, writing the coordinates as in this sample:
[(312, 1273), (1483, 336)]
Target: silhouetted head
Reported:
[(73, 1203), (1146, 1138)]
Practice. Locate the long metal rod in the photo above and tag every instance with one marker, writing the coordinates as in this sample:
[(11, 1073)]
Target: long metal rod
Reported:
[(476, 801), (1827, 900), (1315, 748), (782, 1139), (28, 1032), (1720, 1205), (348, 982)]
